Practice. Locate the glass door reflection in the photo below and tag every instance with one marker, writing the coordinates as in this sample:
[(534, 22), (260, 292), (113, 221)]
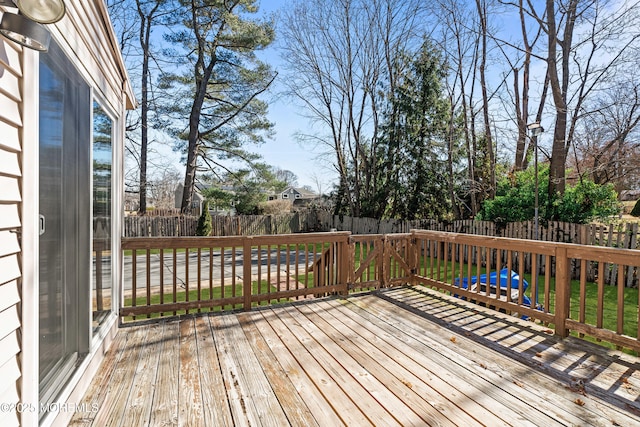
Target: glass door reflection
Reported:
[(102, 197)]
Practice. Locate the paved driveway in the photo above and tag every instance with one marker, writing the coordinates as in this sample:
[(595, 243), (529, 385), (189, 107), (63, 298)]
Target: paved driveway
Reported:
[(220, 266)]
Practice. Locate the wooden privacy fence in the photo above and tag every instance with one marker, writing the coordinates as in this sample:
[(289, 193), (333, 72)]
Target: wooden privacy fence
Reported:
[(171, 276), (240, 225), (612, 235), (160, 226), (622, 235)]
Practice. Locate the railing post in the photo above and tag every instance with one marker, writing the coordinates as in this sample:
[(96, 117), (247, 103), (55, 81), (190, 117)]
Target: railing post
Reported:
[(246, 273), (563, 292), (344, 266), (414, 261), (386, 262), (349, 260)]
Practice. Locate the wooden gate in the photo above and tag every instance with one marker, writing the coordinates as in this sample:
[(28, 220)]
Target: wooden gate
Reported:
[(380, 261)]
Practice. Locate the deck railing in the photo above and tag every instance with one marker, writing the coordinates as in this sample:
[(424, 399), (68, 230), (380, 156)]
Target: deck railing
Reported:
[(171, 276)]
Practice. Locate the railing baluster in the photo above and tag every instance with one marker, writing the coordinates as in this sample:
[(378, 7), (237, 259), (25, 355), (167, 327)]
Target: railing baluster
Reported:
[(211, 274), (278, 268), (162, 278), (306, 266), (600, 307), (186, 276), (175, 277), (233, 275), (288, 270), (620, 314), (199, 277), (509, 281), (246, 274), (534, 279), (134, 277), (471, 254), (269, 271), (148, 279), (583, 292), (297, 272), (259, 266)]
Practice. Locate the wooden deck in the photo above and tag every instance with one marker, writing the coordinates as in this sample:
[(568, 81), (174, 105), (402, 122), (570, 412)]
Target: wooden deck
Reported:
[(402, 356)]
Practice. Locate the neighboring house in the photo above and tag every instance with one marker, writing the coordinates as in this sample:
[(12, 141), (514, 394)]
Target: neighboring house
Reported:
[(197, 200), (62, 119), (131, 201), (629, 195), (293, 193)]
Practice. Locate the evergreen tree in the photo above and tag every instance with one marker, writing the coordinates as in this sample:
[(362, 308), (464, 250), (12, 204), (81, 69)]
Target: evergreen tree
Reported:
[(204, 222), (412, 179), (636, 209)]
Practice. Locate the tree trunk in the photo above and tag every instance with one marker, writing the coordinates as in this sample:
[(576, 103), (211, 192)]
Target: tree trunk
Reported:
[(145, 35), (482, 12)]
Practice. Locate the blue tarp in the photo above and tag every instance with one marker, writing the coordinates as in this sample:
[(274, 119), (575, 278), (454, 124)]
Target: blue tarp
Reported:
[(505, 275)]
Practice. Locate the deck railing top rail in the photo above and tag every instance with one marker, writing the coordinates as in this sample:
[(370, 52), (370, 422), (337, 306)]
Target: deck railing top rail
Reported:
[(593, 253)]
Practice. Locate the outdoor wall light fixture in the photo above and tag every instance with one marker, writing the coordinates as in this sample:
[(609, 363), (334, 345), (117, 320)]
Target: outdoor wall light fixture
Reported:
[(25, 27), (535, 129)]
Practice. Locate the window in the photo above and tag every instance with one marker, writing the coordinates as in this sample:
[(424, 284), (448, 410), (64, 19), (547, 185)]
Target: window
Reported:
[(298, 196), (102, 181), (285, 195)]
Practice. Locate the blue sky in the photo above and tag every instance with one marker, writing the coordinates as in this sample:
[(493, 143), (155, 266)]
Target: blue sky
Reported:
[(283, 151)]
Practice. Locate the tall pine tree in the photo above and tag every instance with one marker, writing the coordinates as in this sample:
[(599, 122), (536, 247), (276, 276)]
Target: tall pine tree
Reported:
[(221, 82), (413, 149)]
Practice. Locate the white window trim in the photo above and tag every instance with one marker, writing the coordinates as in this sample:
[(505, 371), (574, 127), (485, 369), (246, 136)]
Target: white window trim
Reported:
[(30, 236)]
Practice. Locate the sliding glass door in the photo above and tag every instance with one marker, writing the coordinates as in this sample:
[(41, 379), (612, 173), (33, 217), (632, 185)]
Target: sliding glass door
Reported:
[(65, 112)]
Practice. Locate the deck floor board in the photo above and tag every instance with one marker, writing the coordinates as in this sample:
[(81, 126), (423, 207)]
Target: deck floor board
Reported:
[(401, 356), (214, 396), (164, 410)]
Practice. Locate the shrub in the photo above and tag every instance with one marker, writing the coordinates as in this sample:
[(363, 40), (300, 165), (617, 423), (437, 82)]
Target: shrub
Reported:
[(515, 197), (587, 201), (204, 222), (581, 203)]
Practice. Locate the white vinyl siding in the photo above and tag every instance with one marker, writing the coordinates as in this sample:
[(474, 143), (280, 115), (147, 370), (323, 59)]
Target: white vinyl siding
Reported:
[(9, 217), (10, 226), (92, 50)]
